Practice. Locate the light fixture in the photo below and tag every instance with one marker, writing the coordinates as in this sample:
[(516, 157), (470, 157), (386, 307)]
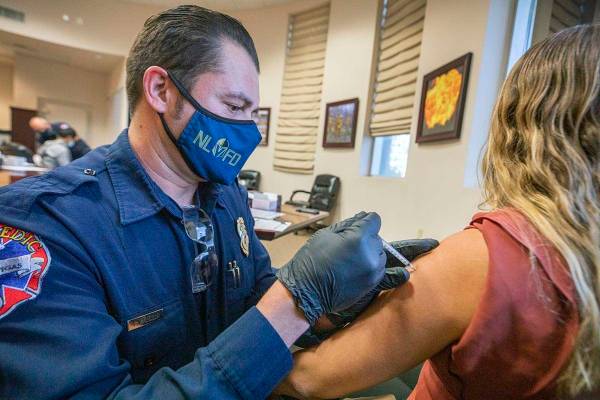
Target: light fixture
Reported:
[(66, 18)]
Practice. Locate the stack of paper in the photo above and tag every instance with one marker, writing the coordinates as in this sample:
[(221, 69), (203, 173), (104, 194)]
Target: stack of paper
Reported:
[(263, 214), (270, 225), (265, 201)]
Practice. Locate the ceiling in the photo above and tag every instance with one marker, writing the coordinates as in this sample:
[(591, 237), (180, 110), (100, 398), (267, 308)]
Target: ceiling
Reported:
[(12, 44), (222, 5)]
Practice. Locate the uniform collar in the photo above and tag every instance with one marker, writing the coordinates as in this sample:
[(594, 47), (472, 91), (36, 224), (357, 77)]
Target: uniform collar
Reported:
[(137, 195)]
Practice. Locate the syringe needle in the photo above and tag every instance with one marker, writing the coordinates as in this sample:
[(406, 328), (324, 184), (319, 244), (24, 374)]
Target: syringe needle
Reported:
[(407, 264)]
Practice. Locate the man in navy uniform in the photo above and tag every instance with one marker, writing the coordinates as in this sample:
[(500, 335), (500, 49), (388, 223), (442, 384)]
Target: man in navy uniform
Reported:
[(134, 272)]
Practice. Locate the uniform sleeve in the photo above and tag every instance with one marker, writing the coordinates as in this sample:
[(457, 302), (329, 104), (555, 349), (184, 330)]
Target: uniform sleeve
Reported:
[(246, 361), (62, 344)]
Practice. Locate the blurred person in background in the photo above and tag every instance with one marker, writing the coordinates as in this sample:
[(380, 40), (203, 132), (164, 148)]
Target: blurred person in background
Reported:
[(76, 145), (52, 151)]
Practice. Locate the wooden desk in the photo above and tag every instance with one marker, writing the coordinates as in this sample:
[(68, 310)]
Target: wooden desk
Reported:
[(297, 219), (10, 174)]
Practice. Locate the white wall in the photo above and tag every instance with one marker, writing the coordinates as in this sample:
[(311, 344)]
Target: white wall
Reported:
[(35, 78), (432, 200), (270, 41), (438, 194), (117, 101), (109, 26), (6, 78)]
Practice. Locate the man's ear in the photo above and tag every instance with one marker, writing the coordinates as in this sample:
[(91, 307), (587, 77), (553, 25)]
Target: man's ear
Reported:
[(154, 84)]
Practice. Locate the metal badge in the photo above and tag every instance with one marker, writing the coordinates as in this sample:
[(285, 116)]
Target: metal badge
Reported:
[(244, 239), (144, 320)]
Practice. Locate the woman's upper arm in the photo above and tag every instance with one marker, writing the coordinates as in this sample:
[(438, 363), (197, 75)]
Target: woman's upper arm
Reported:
[(404, 326)]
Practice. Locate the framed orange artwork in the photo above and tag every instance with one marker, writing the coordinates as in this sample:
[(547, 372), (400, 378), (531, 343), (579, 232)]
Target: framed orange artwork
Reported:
[(443, 101)]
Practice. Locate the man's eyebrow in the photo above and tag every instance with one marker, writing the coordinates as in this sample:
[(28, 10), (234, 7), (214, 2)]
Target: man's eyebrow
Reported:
[(239, 96)]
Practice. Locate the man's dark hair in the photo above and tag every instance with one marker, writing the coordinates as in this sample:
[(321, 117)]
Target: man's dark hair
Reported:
[(186, 41), (63, 129)]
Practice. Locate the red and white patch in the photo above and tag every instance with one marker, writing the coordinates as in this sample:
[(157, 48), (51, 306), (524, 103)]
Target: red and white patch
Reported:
[(24, 260)]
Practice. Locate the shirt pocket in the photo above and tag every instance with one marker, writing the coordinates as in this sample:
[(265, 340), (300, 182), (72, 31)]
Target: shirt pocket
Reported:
[(237, 266), (239, 281), (154, 338)]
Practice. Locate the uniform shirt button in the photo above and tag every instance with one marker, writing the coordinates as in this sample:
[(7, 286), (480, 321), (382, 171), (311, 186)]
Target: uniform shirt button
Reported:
[(89, 171), (149, 361)]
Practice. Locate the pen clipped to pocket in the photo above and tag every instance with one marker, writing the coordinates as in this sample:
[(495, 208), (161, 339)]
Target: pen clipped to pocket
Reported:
[(236, 273)]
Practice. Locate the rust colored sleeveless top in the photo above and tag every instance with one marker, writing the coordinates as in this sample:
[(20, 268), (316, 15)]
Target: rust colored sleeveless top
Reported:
[(522, 333)]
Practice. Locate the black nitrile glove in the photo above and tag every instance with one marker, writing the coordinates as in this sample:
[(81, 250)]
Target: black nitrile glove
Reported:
[(395, 275), (338, 266)]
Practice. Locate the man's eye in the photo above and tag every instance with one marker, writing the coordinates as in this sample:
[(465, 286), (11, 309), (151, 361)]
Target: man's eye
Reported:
[(233, 108)]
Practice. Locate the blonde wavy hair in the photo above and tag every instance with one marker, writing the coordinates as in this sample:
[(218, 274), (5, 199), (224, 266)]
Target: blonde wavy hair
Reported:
[(543, 158)]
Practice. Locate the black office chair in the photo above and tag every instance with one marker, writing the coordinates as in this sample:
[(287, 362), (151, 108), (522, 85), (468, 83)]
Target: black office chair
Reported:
[(250, 179), (322, 196)]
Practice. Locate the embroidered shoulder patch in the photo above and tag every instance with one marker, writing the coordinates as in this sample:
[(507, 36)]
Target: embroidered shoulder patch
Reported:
[(24, 260)]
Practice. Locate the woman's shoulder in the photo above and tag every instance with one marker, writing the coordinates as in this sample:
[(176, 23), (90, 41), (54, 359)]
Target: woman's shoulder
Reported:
[(521, 327), (513, 240), (524, 323), (510, 219)]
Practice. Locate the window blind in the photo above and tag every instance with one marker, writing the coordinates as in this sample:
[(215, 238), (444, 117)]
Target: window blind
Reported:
[(395, 78), (298, 123), (567, 13)]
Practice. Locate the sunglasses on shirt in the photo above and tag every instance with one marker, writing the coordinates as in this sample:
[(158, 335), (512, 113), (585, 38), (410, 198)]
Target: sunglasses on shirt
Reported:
[(199, 229)]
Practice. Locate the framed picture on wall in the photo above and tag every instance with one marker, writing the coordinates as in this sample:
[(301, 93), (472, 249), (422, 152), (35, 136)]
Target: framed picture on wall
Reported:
[(262, 118), (443, 101), (340, 124)]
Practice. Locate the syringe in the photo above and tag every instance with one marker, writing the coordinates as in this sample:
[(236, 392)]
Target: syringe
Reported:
[(407, 264)]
